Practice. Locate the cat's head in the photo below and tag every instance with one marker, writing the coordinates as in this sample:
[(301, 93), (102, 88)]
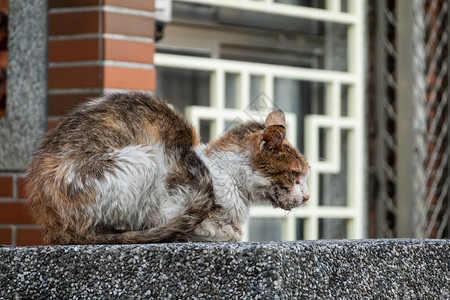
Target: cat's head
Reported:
[(281, 163)]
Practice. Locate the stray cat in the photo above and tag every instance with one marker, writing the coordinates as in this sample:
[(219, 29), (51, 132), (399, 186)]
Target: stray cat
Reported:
[(126, 168)]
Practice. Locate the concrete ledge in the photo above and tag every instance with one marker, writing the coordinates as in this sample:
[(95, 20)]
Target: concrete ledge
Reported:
[(368, 269)]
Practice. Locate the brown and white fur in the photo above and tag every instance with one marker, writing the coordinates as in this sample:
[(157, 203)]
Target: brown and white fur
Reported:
[(126, 168)]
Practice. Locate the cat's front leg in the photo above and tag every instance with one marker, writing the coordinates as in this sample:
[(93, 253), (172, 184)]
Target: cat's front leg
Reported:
[(215, 230)]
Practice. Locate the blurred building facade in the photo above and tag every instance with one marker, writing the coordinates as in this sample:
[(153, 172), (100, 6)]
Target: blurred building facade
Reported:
[(369, 110)]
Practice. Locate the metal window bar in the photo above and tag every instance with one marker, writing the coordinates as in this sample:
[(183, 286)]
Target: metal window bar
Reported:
[(430, 101), (414, 118), (387, 112), (332, 13)]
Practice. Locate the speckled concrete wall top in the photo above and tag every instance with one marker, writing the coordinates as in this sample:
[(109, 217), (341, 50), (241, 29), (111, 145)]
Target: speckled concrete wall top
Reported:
[(385, 269)]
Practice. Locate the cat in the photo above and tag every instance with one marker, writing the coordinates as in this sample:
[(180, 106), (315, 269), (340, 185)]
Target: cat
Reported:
[(126, 168)]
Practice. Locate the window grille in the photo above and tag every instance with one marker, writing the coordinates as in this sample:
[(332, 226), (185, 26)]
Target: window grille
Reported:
[(331, 121)]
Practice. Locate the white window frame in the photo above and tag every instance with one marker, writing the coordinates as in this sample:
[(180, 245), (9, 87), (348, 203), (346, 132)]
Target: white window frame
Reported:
[(332, 120)]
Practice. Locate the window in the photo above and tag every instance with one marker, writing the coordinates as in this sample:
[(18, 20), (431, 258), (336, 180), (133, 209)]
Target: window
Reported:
[(219, 60)]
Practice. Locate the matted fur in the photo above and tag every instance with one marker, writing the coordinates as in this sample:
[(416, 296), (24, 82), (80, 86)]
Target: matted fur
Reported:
[(126, 168)]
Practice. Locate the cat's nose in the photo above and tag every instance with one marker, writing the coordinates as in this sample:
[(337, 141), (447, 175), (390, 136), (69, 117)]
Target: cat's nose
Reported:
[(305, 198)]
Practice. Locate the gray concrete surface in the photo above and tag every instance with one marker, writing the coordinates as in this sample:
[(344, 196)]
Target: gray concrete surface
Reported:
[(26, 101), (367, 269)]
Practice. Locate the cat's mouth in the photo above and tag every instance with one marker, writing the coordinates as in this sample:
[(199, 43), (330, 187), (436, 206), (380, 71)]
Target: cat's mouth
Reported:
[(283, 199)]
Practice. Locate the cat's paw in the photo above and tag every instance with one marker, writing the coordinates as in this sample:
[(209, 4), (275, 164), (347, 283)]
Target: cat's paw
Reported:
[(213, 230), (232, 233)]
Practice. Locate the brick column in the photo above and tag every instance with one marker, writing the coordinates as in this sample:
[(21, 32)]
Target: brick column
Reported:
[(97, 46)]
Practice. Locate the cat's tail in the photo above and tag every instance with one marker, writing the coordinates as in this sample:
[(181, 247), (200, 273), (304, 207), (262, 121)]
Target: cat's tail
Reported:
[(198, 208)]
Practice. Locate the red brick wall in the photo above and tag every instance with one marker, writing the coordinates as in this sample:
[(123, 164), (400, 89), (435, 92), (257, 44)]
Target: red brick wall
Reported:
[(98, 47), (94, 46), (16, 225)]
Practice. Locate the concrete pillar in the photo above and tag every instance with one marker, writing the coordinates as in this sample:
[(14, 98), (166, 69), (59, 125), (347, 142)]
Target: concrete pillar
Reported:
[(24, 123)]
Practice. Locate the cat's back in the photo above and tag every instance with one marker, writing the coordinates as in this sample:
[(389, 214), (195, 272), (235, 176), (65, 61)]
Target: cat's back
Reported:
[(118, 120), (115, 132)]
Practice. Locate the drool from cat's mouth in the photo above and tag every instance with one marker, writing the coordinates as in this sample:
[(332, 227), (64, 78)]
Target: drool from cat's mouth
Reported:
[(286, 201), (288, 204)]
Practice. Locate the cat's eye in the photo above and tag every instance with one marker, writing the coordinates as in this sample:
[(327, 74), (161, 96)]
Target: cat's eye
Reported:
[(295, 174)]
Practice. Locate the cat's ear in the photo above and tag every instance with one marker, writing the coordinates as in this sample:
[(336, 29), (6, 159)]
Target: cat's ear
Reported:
[(275, 130), (273, 137), (276, 118)]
